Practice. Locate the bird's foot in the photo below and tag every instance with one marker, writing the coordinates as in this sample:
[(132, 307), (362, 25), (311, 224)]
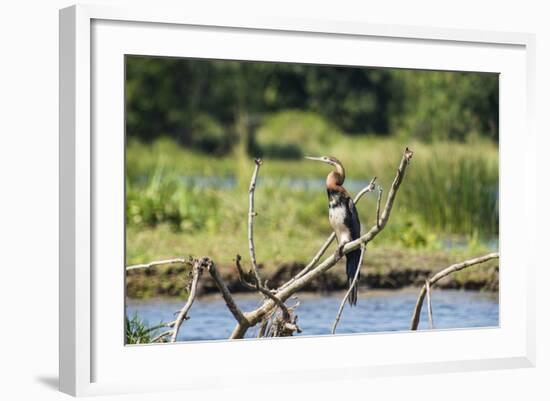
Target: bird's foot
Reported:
[(339, 252)]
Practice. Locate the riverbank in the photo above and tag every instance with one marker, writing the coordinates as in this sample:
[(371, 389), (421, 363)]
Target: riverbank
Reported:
[(383, 269)]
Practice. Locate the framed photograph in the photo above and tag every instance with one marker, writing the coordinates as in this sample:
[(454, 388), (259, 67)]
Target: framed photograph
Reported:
[(290, 200)]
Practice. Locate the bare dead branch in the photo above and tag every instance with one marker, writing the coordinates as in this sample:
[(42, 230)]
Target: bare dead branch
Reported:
[(315, 259), (226, 294), (263, 328), (367, 189), (407, 156), (178, 261), (378, 200), (280, 304), (244, 277), (295, 285), (438, 276), (280, 327), (243, 323), (258, 287), (251, 215), (429, 301), (198, 266), (240, 330), (162, 336), (350, 289), (256, 283), (182, 315), (322, 250)]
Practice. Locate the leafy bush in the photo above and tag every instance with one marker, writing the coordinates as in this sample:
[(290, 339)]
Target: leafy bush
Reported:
[(293, 134), (209, 135), (444, 105), (189, 100)]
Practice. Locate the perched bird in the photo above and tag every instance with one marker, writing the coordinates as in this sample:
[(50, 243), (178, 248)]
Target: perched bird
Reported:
[(343, 218)]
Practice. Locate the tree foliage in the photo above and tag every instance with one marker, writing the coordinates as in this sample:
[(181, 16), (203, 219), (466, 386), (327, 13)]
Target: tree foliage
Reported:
[(198, 102), (442, 105)]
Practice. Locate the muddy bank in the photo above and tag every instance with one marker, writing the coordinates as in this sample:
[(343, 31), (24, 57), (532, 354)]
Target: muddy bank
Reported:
[(402, 269)]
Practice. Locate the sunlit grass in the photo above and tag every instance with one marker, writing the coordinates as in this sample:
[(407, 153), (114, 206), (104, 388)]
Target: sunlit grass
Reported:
[(450, 188)]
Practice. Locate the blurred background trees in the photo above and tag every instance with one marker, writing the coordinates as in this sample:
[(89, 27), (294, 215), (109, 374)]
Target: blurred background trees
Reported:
[(201, 104)]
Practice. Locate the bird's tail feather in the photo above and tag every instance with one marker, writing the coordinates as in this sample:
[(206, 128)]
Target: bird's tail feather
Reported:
[(352, 264)]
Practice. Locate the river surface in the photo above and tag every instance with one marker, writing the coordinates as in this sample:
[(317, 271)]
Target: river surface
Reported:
[(376, 311)]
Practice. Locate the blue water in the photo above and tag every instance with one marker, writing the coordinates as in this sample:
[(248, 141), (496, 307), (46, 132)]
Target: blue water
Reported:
[(376, 311), (228, 182)]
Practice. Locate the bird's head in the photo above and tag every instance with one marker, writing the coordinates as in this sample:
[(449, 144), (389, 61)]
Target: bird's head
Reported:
[(338, 175), (326, 159)]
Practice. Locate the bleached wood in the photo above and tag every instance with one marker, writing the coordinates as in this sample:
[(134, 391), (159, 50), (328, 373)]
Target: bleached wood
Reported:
[(156, 263), (226, 294), (182, 315), (438, 276), (429, 301), (251, 215)]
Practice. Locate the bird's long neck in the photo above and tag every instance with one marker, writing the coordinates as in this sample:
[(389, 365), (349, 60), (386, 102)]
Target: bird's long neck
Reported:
[(336, 179), (339, 169)]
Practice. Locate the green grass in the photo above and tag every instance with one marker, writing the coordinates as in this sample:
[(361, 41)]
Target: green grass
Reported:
[(137, 331), (450, 191)]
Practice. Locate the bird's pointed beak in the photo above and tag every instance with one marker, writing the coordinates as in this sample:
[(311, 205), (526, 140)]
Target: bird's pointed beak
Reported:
[(319, 159)]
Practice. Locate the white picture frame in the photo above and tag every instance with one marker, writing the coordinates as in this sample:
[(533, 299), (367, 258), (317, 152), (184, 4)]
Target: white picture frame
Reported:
[(93, 360)]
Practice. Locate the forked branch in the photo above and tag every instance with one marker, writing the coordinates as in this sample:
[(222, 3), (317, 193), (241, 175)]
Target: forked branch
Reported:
[(296, 284), (254, 281), (182, 315), (257, 287), (438, 276), (198, 266)]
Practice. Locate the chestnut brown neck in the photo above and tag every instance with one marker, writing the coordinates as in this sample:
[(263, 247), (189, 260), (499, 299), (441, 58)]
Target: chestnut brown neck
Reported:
[(336, 178)]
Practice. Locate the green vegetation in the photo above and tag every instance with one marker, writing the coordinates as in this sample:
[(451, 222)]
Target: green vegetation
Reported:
[(137, 332), (199, 103), (440, 106), (193, 205), (194, 127), (293, 134)]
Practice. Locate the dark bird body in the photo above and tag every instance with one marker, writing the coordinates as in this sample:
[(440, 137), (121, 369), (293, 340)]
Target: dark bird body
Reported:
[(343, 218)]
